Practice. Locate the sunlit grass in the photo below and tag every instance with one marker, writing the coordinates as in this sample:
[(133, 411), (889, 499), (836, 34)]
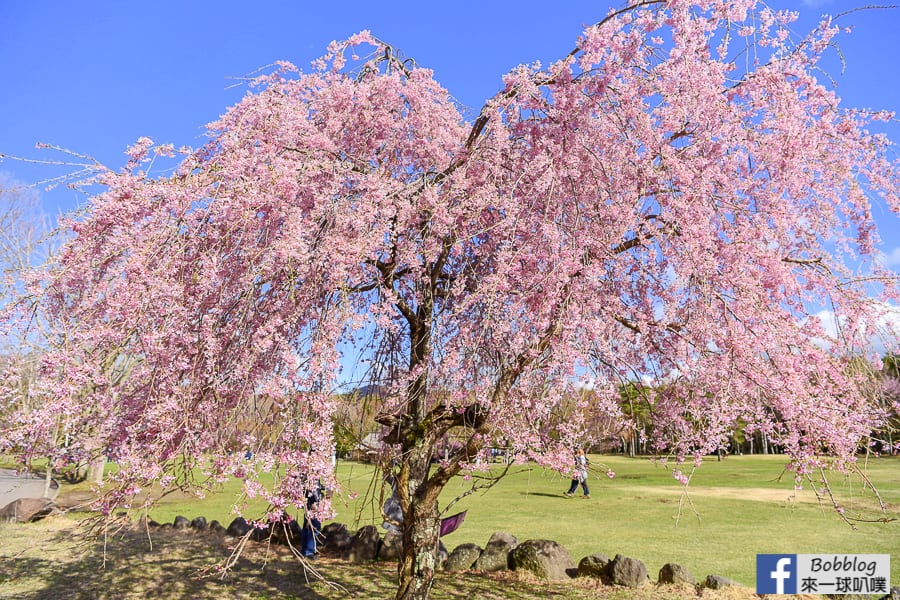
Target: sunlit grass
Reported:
[(732, 510)]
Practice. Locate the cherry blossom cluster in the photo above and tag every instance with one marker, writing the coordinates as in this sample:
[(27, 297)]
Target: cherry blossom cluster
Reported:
[(648, 205)]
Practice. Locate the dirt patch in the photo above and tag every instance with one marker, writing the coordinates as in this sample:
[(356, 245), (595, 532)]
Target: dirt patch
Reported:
[(758, 494)]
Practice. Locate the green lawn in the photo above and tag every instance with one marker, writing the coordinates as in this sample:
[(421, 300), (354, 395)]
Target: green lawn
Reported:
[(734, 509), (741, 510)]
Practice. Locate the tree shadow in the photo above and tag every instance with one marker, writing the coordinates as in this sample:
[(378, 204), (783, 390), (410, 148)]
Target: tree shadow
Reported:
[(43, 564), (181, 564)]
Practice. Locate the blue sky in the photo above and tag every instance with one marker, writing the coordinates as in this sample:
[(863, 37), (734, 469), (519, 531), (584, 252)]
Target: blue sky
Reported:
[(94, 76)]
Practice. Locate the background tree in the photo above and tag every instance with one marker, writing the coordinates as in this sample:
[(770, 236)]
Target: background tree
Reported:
[(644, 205), (25, 241), (21, 230), (887, 395), (24, 232)]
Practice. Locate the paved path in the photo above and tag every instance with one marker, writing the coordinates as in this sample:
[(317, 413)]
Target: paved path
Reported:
[(13, 487)]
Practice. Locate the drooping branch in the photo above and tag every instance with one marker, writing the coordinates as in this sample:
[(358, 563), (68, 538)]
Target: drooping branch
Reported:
[(476, 415), (489, 108), (639, 239)]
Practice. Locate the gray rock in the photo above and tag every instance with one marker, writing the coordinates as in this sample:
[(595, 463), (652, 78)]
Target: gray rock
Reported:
[(463, 557), (216, 528), (199, 523), (238, 528), (145, 521), (501, 537), (26, 510), (286, 532), (717, 582), (628, 572), (674, 573), (442, 555), (595, 566), (545, 559), (181, 522), (391, 545), (336, 538), (259, 532), (295, 533), (495, 556), (364, 545)]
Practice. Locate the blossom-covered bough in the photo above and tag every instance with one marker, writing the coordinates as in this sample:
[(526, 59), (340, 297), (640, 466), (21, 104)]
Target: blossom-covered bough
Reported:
[(677, 197)]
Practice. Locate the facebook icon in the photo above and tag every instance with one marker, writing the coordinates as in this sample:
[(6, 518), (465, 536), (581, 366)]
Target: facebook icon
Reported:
[(776, 573)]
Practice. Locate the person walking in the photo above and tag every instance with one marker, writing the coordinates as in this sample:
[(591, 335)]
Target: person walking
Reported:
[(580, 475)]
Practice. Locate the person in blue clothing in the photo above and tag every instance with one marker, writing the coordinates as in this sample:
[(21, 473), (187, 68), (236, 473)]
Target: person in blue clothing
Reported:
[(580, 475), (312, 527)]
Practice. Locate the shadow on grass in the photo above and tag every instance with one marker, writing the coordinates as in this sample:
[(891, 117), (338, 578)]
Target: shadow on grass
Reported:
[(180, 565), (545, 495), (61, 565), (47, 562)]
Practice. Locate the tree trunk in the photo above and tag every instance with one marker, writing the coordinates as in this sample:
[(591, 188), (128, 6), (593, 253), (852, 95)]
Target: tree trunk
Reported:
[(419, 555), (48, 479), (95, 470), (421, 522)]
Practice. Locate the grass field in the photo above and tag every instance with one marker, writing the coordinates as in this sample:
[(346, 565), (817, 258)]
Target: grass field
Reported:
[(733, 510), (736, 509)]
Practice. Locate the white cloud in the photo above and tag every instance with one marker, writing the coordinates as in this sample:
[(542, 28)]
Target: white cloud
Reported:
[(889, 260), (816, 3), (884, 335), (829, 322), (585, 385)]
